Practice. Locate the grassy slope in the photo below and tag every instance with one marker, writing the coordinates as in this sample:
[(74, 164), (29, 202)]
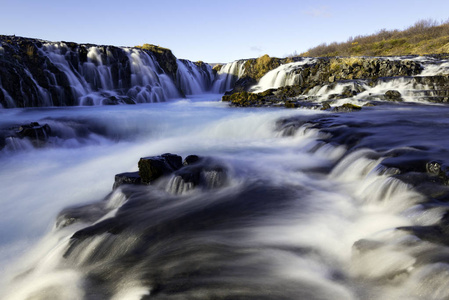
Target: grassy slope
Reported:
[(424, 37)]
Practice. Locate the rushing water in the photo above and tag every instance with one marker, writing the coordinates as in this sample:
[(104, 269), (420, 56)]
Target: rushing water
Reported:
[(297, 216), (294, 204)]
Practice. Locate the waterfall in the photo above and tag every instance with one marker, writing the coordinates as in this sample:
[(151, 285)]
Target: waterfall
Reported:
[(67, 74), (284, 75), (228, 75), (8, 99), (194, 79)]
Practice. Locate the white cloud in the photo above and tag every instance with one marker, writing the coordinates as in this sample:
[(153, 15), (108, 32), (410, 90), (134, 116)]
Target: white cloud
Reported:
[(319, 12), (256, 49)]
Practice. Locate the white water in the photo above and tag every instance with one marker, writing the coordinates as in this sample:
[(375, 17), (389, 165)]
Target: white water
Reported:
[(284, 75), (228, 75), (109, 75), (316, 227), (326, 213), (193, 80)]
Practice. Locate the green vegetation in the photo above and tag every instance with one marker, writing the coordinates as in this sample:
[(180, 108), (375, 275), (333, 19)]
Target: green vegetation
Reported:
[(341, 63), (257, 68), (424, 37), (153, 48), (30, 51)]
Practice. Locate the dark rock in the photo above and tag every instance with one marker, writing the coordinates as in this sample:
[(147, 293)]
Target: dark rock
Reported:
[(151, 168), (437, 168), (393, 95), (205, 173), (174, 161), (433, 167), (191, 159), (325, 106), (36, 133), (325, 72), (86, 213), (180, 177), (126, 178), (347, 107), (243, 84)]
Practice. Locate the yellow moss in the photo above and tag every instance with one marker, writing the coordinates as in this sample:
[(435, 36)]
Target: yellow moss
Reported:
[(153, 48), (289, 104), (30, 51), (338, 63), (217, 67)]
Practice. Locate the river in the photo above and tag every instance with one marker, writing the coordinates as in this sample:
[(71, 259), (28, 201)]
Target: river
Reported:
[(300, 214)]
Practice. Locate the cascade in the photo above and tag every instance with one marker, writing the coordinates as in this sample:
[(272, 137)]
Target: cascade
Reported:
[(328, 217), (284, 75), (194, 79), (67, 74), (228, 75), (8, 99)]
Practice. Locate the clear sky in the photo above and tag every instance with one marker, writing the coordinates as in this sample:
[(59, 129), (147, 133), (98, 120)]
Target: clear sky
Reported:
[(209, 30)]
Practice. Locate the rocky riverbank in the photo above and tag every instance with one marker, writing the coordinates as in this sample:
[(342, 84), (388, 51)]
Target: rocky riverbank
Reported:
[(341, 78)]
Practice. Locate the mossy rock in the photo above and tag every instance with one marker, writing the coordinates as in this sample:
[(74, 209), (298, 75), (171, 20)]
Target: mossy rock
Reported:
[(245, 99), (347, 107), (257, 68), (393, 95), (290, 104)]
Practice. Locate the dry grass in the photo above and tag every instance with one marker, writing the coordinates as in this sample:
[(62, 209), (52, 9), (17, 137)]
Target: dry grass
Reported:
[(424, 37)]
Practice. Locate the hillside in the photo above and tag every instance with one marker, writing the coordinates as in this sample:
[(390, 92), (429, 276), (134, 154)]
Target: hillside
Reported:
[(424, 37)]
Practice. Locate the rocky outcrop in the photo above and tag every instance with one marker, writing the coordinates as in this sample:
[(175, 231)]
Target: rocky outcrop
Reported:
[(151, 168), (41, 73), (164, 56), (34, 132), (180, 176), (355, 75), (393, 95), (328, 70)]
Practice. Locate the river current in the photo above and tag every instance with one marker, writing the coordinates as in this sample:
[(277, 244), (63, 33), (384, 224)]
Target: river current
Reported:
[(304, 212)]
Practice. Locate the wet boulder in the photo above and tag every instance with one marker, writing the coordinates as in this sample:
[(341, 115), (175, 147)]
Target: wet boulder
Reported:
[(393, 95), (347, 107), (126, 178), (437, 168), (205, 173), (34, 131), (191, 159), (174, 175), (153, 167)]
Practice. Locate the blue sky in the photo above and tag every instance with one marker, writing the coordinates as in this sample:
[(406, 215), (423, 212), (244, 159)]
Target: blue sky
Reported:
[(213, 31)]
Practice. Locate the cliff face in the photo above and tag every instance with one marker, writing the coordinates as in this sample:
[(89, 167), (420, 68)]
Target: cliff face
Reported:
[(41, 73)]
